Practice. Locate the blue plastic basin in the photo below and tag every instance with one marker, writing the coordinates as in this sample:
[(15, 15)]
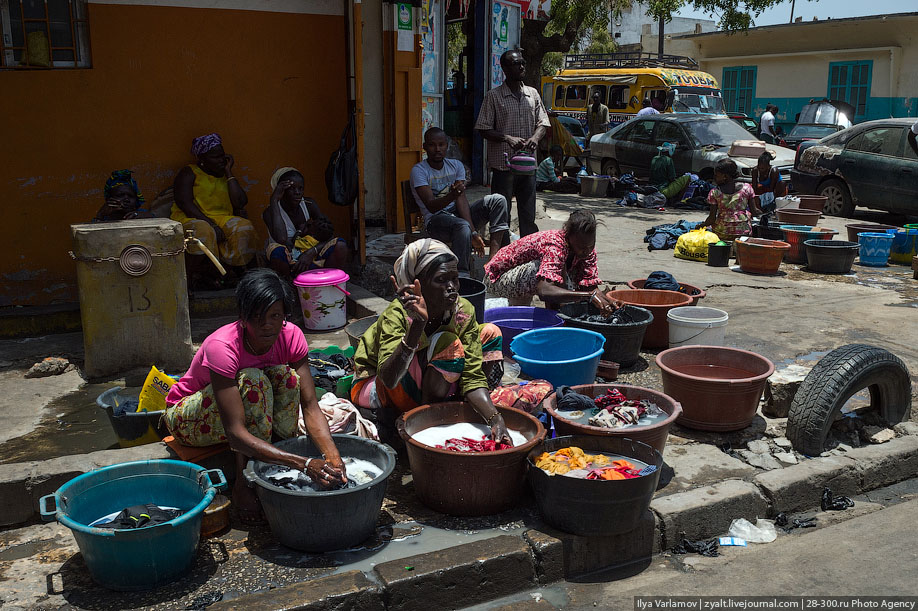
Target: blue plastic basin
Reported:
[(140, 558), (513, 320), (875, 248), (560, 355)]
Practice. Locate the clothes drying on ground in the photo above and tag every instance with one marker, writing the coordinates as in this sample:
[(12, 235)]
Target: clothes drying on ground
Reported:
[(664, 237)]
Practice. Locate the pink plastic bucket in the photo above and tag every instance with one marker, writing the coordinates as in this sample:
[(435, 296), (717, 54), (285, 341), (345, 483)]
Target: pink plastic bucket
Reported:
[(323, 298)]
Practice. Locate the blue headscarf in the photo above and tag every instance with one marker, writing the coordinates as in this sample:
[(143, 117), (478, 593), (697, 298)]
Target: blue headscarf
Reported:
[(123, 177)]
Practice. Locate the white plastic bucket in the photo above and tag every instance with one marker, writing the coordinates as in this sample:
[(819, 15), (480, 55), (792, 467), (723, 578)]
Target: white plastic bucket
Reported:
[(695, 325), (323, 298)]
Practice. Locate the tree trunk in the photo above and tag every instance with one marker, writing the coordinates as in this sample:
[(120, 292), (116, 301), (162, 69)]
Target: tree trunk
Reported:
[(535, 45)]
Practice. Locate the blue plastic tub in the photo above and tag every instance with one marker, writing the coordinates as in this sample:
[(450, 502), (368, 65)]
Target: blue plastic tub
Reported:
[(514, 320), (904, 245), (141, 558), (562, 356), (875, 248)]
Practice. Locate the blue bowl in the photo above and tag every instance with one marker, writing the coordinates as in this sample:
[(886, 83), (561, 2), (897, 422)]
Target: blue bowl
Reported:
[(513, 320), (875, 248), (562, 355)]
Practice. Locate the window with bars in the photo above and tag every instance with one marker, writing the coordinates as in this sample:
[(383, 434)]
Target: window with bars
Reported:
[(46, 34), (850, 82), (738, 88)]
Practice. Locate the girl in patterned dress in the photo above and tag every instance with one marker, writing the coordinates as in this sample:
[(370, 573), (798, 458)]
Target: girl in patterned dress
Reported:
[(732, 203)]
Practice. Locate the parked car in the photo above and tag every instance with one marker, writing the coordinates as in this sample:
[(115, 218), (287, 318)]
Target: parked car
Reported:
[(701, 141), (808, 131), (746, 122), (869, 165)]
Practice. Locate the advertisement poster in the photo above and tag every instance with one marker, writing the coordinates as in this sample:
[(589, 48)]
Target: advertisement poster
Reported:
[(505, 35), (432, 33)]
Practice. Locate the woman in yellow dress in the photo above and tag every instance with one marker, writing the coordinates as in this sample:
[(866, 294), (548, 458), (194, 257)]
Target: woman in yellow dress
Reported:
[(210, 200)]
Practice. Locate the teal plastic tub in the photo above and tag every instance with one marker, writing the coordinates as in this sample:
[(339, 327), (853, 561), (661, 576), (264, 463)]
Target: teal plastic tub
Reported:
[(875, 248), (561, 355), (140, 558)]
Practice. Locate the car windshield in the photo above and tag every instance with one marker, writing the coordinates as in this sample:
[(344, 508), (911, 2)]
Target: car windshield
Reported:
[(574, 127), (811, 131), (717, 132), (702, 101)]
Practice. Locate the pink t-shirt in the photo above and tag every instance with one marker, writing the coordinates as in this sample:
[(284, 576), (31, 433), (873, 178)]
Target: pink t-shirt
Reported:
[(223, 352)]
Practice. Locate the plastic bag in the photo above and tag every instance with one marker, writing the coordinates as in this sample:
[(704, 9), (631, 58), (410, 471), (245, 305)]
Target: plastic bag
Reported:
[(154, 391), (762, 532), (694, 245)]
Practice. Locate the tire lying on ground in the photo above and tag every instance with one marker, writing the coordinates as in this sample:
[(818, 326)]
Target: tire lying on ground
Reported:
[(835, 378)]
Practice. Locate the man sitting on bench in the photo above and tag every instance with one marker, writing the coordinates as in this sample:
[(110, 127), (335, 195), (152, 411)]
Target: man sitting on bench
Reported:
[(438, 186)]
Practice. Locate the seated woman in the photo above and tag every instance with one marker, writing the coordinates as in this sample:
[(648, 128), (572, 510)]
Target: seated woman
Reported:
[(767, 183), (248, 383), (732, 203), (209, 200), (427, 347), (123, 199), (300, 237), (558, 265), (663, 173)]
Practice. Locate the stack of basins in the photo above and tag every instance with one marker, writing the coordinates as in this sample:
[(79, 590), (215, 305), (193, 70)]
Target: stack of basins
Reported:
[(796, 235)]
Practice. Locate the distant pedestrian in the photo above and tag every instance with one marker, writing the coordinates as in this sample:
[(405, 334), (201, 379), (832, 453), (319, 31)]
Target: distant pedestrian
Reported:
[(648, 109), (549, 174), (913, 137), (512, 119), (597, 116), (767, 124)]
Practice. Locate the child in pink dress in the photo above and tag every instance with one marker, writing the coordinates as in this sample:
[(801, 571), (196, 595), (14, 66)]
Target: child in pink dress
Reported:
[(732, 203)]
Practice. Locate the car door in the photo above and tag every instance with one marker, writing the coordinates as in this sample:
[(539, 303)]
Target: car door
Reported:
[(868, 163), (670, 131), (904, 178), (637, 148)]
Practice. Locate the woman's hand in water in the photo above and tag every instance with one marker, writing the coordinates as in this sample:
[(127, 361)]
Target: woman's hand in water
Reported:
[(412, 300), (499, 433), (324, 473), (600, 300)]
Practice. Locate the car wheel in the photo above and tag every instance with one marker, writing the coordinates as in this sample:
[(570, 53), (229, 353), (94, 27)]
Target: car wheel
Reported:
[(838, 202), (610, 168)]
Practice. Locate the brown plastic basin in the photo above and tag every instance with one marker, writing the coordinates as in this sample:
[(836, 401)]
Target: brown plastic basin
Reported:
[(760, 256), (719, 388), (696, 293), (856, 228), (653, 435), (812, 202), (659, 303), (798, 216), (467, 484)]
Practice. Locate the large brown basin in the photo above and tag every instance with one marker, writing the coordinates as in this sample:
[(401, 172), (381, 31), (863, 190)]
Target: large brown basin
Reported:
[(659, 303)]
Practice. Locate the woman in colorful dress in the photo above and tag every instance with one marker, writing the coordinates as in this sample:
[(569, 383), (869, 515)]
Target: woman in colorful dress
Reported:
[(732, 203), (210, 200), (248, 383), (427, 347), (558, 265), (123, 199)]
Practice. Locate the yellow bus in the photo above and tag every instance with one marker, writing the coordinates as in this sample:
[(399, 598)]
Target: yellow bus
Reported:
[(625, 80)]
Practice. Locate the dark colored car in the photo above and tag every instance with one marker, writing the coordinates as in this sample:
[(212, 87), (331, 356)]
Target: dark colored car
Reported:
[(869, 165), (746, 122), (808, 131)]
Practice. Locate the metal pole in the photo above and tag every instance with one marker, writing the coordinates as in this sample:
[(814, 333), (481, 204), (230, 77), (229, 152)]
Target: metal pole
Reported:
[(793, 2), (660, 36)]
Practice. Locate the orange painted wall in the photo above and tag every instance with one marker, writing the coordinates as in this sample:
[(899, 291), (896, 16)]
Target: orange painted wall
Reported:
[(272, 84)]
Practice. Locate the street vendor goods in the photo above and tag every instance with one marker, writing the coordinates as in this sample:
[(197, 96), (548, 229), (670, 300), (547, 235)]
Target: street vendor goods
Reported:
[(574, 462)]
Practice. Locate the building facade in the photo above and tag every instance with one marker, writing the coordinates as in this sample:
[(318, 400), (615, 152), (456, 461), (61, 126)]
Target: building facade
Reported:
[(627, 28)]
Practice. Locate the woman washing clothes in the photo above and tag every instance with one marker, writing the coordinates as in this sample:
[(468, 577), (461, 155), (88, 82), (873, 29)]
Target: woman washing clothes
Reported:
[(427, 347), (210, 200), (767, 183), (248, 383), (300, 237), (558, 265), (123, 199), (732, 203)]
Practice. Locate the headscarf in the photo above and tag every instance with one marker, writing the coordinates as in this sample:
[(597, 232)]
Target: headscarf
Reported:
[(275, 178), (202, 144), (123, 177), (667, 147), (416, 257)]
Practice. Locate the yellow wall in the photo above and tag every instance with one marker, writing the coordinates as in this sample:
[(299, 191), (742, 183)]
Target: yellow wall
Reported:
[(272, 84)]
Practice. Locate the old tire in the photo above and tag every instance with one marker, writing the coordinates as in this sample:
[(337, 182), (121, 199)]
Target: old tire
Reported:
[(835, 378), (838, 202)]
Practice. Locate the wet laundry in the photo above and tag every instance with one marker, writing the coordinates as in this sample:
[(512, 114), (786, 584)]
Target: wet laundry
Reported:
[(467, 444), (358, 472), (618, 316), (436, 436), (616, 410), (704, 547), (570, 400), (138, 516), (834, 503), (786, 525), (327, 369), (574, 462)]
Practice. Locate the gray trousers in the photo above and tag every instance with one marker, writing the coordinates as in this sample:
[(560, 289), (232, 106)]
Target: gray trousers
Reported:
[(447, 227), (524, 187)]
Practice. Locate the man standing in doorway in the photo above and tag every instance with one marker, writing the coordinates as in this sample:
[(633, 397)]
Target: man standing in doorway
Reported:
[(512, 118), (767, 124), (598, 117)]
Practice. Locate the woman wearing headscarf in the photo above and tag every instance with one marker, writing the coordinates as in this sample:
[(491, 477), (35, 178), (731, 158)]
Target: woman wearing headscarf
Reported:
[(427, 347), (210, 200), (123, 199), (300, 237), (250, 381)]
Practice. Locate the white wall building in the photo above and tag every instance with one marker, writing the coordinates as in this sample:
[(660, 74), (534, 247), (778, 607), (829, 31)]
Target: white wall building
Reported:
[(627, 29)]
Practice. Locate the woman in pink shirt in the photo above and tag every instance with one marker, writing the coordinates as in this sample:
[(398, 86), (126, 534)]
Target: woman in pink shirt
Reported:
[(247, 383)]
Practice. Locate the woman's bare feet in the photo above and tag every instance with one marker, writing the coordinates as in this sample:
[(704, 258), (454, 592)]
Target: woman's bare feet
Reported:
[(247, 504)]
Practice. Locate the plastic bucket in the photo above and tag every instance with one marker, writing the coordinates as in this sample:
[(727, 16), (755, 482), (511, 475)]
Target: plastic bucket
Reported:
[(138, 558), (356, 329), (623, 341), (857, 228), (329, 520), (474, 291), (796, 235), (697, 326), (830, 256), (875, 248), (513, 320), (561, 356), (323, 298), (659, 303), (719, 254), (905, 244), (595, 507), (131, 428), (594, 186)]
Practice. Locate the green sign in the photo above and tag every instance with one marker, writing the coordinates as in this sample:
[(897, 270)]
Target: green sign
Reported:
[(404, 16)]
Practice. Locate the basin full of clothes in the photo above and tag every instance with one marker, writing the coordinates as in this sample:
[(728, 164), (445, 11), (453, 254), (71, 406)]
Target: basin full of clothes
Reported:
[(358, 472), (611, 410), (574, 462)]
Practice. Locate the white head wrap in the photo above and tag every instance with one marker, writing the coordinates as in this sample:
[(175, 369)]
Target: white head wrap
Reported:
[(416, 257)]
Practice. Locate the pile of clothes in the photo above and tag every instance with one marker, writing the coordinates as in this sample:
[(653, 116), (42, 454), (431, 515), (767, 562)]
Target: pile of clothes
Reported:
[(327, 369), (467, 444), (664, 237), (612, 410), (574, 462)]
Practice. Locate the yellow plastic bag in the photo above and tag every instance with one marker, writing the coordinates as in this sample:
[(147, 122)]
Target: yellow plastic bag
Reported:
[(694, 244), (154, 391)]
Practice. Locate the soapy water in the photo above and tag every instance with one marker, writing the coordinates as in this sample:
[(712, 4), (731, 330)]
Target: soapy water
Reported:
[(359, 472), (437, 435)]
